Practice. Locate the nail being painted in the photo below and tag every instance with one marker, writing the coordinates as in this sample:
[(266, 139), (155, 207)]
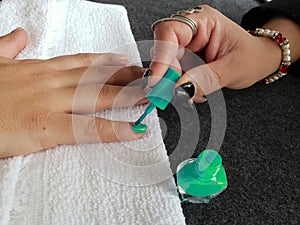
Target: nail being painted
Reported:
[(139, 128)]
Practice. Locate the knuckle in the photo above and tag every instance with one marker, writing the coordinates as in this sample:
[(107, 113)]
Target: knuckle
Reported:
[(46, 79), (207, 7), (42, 75), (136, 71), (84, 59), (104, 73), (91, 128), (105, 97), (105, 91), (96, 89), (215, 80), (127, 71), (110, 57), (116, 127), (218, 77), (211, 11), (100, 128), (161, 29)]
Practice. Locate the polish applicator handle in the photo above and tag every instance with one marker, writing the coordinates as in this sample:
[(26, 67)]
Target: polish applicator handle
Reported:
[(162, 93)]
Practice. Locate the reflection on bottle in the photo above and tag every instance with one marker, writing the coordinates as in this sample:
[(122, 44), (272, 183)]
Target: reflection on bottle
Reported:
[(201, 179)]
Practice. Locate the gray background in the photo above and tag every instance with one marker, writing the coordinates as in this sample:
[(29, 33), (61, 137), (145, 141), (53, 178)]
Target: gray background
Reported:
[(261, 147)]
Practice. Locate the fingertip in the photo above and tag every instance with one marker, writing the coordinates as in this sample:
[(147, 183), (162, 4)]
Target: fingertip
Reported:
[(21, 35), (124, 131), (13, 43), (139, 128), (204, 79), (198, 92), (158, 68), (157, 72), (163, 54)]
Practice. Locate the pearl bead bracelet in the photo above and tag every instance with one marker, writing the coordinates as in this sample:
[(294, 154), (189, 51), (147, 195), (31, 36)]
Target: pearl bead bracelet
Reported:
[(285, 47)]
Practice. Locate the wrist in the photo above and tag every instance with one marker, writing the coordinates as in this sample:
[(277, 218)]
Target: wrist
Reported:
[(284, 45), (290, 30), (271, 55)]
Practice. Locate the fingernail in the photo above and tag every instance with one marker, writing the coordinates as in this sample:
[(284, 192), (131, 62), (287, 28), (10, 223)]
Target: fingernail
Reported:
[(183, 94), (139, 128), (186, 90), (145, 78)]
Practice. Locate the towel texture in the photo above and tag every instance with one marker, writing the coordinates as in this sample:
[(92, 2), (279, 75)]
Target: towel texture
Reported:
[(114, 183)]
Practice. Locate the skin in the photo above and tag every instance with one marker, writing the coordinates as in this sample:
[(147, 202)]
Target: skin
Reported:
[(235, 59), (43, 101), (37, 96)]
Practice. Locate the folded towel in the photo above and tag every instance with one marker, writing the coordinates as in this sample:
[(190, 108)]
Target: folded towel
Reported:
[(112, 183)]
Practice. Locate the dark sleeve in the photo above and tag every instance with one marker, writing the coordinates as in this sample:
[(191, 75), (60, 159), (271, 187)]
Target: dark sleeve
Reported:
[(258, 16)]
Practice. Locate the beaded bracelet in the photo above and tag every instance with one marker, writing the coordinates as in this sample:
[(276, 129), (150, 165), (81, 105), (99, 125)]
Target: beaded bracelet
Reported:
[(285, 47)]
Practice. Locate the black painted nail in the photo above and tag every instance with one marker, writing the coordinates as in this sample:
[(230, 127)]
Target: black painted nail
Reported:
[(145, 78), (185, 90), (183, 94)]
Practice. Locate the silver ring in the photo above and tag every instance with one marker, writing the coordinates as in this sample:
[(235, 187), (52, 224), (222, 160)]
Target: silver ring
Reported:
[(180, 16), (191, 23)]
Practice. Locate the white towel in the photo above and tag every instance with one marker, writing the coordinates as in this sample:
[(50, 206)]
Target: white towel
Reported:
[(114, 183)]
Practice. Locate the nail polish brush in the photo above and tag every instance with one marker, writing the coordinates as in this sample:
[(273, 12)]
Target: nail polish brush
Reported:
[(159, 96)]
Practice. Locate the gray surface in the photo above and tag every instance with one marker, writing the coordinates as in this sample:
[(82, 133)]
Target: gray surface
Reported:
[(261, 146)]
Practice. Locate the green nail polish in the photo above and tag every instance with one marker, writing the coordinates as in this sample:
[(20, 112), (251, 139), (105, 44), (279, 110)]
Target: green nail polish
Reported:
[(139, 128)]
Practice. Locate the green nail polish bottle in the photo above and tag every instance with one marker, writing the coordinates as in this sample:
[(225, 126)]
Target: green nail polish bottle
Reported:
[(201, 179)]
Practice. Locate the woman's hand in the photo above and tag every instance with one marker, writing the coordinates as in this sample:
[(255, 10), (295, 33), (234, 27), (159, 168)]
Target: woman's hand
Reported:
[(42, 101), (235, 59)]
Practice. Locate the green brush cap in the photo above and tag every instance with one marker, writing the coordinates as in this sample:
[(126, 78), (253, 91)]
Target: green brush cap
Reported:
[(163, 92)]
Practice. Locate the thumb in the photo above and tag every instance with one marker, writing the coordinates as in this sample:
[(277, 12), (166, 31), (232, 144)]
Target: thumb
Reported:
[(13, 43), (205, 79), (167, 47)]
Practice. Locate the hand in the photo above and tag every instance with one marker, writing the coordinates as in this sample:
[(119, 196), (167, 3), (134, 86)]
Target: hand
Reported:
[(42, 102), (235, 59)]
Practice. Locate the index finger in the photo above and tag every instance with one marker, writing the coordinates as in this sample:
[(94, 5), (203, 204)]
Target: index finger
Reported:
[(79, 129)]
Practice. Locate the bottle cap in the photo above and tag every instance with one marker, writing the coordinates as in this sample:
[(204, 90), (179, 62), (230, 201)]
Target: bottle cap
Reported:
[(163, 92), (208, 162)]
